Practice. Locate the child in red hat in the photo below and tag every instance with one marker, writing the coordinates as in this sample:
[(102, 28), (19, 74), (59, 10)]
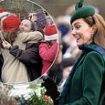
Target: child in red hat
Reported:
[(48, 47)]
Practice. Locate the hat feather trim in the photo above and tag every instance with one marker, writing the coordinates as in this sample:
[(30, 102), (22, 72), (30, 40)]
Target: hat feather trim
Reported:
[(79, 4)]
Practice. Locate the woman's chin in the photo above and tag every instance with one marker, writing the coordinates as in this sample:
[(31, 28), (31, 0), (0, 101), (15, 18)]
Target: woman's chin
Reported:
[(79, 44)]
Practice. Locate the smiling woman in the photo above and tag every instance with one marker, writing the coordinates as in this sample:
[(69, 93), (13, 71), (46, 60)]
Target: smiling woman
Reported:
[(82, 32), (86, 82), (21, 34)]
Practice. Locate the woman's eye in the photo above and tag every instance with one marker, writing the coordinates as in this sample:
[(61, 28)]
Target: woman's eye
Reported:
[(77, 27)]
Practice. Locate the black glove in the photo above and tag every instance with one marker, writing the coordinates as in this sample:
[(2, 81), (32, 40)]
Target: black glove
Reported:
[(51, 88)]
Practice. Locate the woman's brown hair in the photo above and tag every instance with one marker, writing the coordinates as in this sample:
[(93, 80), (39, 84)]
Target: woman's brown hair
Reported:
[(10, 36), (99, 23)]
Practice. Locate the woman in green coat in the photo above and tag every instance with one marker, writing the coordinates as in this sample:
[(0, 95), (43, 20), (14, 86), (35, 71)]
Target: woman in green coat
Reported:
[(86, 83)]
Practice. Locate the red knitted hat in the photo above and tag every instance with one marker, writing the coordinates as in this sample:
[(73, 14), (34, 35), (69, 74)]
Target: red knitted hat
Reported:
[(10, 23), (3, 13), (50, 32)]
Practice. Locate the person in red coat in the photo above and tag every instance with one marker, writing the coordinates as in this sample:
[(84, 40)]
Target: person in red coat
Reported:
[(48, 47)]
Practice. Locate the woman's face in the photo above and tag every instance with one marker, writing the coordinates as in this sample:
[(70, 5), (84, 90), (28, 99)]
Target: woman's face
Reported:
[(25, 26), (82, 32)]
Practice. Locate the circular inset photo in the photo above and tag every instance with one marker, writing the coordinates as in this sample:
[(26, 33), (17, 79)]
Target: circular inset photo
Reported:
[(28, 41)]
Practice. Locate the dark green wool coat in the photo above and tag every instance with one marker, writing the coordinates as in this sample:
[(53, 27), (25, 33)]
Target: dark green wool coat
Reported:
[(84, 85)]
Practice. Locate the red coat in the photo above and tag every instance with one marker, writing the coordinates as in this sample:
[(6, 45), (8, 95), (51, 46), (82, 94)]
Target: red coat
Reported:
[(48, 53)]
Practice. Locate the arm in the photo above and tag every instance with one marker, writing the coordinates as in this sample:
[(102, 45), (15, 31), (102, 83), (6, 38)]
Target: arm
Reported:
[(32, 36), (47, 53), (92, 75), (27, 56)]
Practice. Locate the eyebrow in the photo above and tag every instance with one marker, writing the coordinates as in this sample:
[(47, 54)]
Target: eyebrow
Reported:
[(76, 23)]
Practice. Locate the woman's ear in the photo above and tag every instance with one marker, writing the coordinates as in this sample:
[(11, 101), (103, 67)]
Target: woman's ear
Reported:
[(94, 30)]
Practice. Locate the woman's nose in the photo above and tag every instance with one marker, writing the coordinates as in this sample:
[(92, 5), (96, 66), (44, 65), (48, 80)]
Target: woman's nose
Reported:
[(73, 32)]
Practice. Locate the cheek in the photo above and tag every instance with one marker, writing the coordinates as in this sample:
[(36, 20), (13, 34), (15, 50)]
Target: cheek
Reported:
[(88, 36), (87, 32), (27, 29)]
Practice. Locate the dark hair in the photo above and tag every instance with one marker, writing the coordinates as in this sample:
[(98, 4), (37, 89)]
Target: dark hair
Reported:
[(32, 26), (89, 20), (98, 22), (10, 36)]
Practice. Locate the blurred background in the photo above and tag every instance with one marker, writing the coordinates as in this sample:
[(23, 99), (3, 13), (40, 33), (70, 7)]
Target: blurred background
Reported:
[(59, 7)]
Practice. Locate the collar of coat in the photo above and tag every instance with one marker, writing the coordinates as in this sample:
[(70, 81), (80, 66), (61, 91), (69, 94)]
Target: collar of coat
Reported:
[(93, 47)]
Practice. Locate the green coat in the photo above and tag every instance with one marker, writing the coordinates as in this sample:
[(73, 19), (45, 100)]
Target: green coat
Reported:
[(86, 82)]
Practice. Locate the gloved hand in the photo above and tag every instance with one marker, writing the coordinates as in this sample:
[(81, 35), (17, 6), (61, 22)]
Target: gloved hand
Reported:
[(51, 88), (6, 44)]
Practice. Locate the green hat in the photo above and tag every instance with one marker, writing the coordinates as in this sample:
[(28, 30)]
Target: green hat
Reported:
[(82, 11)]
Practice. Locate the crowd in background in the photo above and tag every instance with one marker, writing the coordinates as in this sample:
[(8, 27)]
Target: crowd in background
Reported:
[(68, 50)]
